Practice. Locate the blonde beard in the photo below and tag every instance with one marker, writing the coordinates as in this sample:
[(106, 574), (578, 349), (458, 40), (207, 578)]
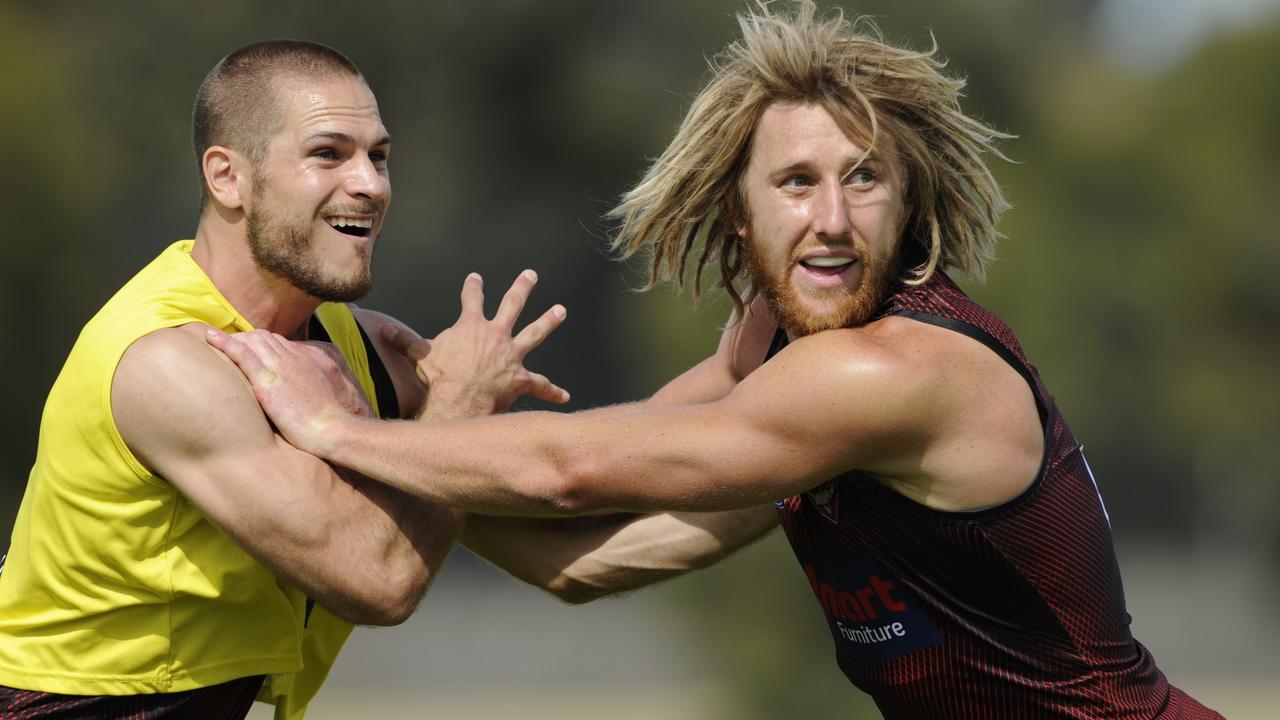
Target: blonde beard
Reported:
[(799, 321)]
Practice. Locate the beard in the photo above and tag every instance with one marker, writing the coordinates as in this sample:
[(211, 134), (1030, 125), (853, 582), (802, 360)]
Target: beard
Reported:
[(796, 317), (286, 248)]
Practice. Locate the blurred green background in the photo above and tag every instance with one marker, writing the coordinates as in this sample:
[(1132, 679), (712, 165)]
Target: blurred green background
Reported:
[(1138, 270)]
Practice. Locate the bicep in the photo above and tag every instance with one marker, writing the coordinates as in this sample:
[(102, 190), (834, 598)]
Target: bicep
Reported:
[(190, 417), (789, 426)]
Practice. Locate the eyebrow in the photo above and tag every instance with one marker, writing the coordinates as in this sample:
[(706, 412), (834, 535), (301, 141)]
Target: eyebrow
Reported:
[(804, 165), (341, 137)]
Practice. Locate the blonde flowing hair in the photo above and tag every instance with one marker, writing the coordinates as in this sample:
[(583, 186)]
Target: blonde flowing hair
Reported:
[(691, 196)]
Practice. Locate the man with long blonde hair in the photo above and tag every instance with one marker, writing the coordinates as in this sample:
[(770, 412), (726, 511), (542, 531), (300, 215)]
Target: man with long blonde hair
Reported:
[(940, 507)]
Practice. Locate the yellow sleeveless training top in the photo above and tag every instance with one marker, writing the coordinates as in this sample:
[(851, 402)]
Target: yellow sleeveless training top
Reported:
[(115, 584)]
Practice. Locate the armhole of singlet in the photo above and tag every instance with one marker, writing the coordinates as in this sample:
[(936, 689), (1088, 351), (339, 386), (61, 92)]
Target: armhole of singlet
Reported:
[(993, 345), (1007, 355), (383, 387)]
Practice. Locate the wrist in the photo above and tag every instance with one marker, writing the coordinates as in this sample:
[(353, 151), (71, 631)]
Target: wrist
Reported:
[(330, 437), (454, 401)]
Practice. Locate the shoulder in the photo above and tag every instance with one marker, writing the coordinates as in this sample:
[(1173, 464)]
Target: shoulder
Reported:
[(865, 380), (177, 356), (891, 378), (171, 390), (887, 351), (907, 353)]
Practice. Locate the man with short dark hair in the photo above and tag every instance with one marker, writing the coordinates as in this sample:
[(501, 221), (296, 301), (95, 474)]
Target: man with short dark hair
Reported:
[(940, 507), (173, 556)]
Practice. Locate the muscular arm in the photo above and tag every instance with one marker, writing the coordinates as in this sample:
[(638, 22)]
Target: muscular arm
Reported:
[(350, 544), (934, 415), (809, 415), (930, 413), (582, 559), (786, 427)]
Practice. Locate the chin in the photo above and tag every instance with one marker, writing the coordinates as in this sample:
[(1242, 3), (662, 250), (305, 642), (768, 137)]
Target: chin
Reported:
[(810, 324), (801, 316)]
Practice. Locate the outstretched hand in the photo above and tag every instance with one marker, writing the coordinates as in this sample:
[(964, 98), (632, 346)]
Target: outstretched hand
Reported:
[(476, 366), (300, 386)]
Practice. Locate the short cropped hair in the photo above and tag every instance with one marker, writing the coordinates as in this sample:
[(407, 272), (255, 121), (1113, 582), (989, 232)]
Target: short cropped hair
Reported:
[(237, 105), (692, 194)]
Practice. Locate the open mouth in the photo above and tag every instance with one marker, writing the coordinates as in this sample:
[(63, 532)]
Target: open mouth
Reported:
[(827, 265), (357, 227)]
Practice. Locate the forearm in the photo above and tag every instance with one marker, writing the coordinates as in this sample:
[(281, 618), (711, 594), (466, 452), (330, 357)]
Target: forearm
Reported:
[(479, 465), (530, 460), (686, 458), (362, 550), (582, 559), (410, 538)]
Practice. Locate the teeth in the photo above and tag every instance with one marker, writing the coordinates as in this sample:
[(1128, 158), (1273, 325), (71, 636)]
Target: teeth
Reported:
[(350, 222), (828, 261)]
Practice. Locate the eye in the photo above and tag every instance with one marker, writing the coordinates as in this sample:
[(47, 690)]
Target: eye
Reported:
[(325, 153), (379, 157), (861, 176), (797, 181)]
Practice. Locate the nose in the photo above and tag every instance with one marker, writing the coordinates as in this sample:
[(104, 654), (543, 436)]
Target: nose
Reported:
[(831, 211), (366, 180)]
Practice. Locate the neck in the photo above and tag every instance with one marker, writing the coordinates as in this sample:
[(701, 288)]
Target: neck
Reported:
[(267, 301)]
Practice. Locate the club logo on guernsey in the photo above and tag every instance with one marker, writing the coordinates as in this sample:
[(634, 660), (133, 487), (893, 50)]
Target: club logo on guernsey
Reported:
[(826, 499), (872, 615)]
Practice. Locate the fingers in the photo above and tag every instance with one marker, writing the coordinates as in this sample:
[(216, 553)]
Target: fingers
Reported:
[(323, 354), (327, 358), (245, 353), (406, 342), (535, 332), (513, 302), (473, 295), (543, 389)]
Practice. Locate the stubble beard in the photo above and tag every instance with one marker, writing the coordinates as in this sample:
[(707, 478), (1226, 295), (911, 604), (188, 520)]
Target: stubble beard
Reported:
[(284, 249), (794, 315)]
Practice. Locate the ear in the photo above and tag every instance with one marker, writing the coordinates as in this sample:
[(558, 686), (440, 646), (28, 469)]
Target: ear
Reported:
[(735, 204), (743, 228), (226, 174)]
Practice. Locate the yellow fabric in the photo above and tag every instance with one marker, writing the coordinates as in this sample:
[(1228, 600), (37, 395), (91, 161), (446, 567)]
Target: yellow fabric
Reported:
[(115, 583), (324, 633)]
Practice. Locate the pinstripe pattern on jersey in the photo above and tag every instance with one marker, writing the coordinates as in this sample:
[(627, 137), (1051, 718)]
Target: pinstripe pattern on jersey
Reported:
[(1027, 595), (227, 701)]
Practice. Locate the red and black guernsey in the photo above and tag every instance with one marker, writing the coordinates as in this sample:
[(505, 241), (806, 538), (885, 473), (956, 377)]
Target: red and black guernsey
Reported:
[(1016, 611)]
